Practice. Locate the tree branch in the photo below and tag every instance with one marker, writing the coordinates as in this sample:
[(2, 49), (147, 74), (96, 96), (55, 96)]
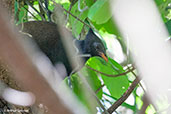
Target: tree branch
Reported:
[(124, 97), (146, 100), (99, 88)]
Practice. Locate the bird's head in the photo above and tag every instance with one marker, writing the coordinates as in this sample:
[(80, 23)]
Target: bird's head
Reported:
[(94, 46), (98, 49)]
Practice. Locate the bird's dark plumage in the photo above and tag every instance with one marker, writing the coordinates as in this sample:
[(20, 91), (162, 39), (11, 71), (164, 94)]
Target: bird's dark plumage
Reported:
[(47, 37)]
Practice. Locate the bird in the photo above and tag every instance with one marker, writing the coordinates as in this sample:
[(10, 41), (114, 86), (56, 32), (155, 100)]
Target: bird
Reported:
[(47, 37)]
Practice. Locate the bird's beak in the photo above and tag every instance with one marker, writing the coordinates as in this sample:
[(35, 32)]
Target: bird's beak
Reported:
[(103, 56)]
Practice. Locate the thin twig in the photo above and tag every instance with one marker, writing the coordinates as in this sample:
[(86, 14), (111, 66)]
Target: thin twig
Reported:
[(124, 96), (45, 9), (30, 13), (130, 70), (111, 75), (99, 88), (35, 10), (77, 18), (48, 11)]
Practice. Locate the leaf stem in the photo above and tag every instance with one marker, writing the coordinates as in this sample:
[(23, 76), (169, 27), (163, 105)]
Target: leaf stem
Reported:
[(111, 75)]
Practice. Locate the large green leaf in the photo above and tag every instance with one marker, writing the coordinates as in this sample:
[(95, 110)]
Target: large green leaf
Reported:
[(116, 85), (99, 12)]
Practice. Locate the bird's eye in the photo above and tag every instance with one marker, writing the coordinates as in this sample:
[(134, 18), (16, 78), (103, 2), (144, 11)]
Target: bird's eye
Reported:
[(98, 46)]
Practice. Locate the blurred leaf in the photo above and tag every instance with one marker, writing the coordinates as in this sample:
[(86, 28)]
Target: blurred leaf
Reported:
[(159, 2), (139, 102), (77, 88), (50, 6), (22, 16), (36, 2), (93, 80), (116, 85), (110, 27), (66, 6), (77, 85), (150, 110), (99, 12), (168, 25), (162, 6)]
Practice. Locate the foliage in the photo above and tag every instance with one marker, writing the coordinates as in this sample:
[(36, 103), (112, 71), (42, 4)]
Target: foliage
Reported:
[(97, 15)]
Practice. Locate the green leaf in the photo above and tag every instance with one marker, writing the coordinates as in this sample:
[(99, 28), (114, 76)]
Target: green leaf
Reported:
[(109, 26), (75, 23), (66, 6), (100, 64), (116, 85), (89, 2), (159, 2), (99, 12)]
